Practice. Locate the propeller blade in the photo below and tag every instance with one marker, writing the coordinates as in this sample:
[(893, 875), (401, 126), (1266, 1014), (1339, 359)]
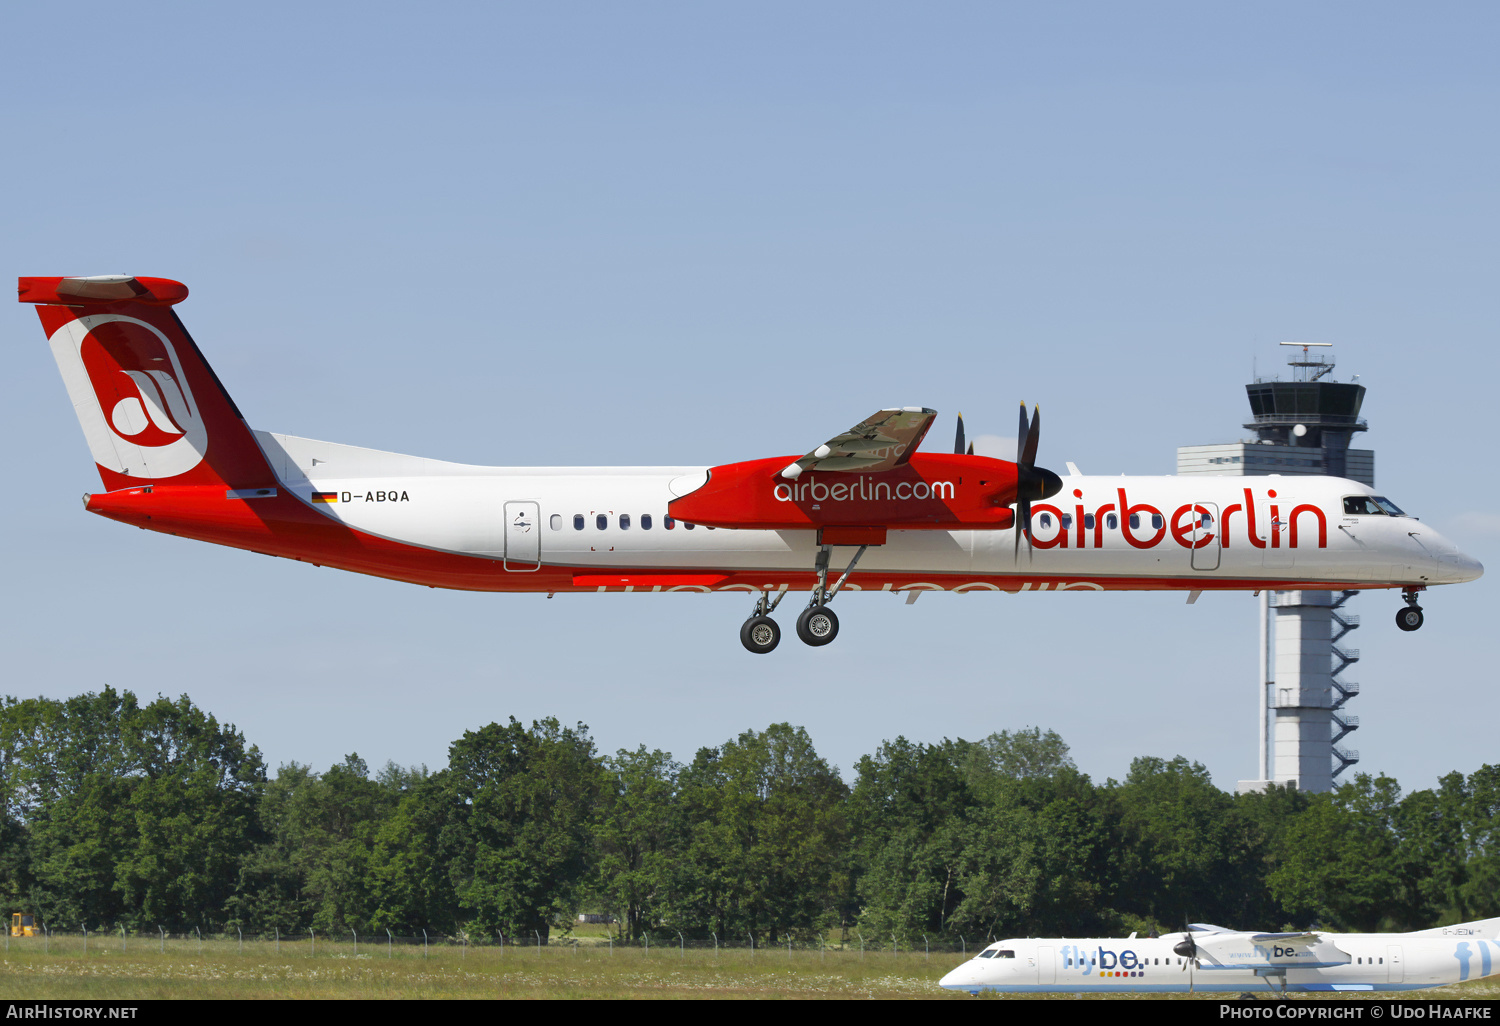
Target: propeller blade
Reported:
[(1187, 947), (1033, 436), (958, 441), (1021, 433)]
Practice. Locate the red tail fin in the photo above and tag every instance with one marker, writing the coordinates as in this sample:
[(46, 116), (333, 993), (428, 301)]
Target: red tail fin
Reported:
[(152, 409)]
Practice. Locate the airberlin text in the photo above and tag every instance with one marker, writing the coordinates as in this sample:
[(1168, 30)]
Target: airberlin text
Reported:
[(1192, 525), (861, 489)]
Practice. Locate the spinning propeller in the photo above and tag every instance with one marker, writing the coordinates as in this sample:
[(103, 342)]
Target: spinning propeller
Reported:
[(1032, 482)]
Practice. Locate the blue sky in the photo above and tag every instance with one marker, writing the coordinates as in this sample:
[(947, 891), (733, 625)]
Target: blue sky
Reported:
[(575, 233)]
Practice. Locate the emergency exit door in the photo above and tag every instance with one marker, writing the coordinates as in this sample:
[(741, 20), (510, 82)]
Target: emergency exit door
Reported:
[(523, 536)]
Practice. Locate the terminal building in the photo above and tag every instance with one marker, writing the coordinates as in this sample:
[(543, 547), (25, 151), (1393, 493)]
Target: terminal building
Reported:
[(1301, 426)]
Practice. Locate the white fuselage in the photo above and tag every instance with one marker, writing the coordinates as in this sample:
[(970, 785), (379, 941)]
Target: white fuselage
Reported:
[(1099, 533), (1364, 962)]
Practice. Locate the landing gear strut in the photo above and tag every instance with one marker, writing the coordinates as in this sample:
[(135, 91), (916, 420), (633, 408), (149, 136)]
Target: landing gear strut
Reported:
[(816, 625), (1410, 617)]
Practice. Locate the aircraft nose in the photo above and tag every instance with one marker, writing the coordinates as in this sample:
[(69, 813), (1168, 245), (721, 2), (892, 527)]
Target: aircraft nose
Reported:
[(958, 979), (1469, 568)]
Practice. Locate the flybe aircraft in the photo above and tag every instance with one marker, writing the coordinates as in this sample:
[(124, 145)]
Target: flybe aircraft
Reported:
[(176, 456), (1212, 959)]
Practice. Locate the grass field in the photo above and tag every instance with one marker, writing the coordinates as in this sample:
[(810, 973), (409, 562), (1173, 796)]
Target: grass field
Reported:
[(29, 970)]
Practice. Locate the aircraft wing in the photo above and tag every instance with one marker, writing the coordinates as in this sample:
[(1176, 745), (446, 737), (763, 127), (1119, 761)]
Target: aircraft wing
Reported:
[(1305, 950), (881, 441)]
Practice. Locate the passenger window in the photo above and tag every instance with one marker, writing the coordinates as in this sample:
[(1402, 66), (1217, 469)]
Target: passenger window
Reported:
[(601, 522), (1088, 521), (1067, 521), (645, 521), (1046, 521), (1156, 521), (556, 521), (1135, 521), (578, 521), (1112, 522), (688, 526), (668, 522), (624, 521)]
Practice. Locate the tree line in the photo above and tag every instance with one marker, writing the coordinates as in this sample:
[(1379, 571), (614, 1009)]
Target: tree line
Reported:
[(118, 814)]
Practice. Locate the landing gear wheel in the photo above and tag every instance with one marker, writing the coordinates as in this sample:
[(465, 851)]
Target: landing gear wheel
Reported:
[(1409, 618), (759, 634), (817, 625)]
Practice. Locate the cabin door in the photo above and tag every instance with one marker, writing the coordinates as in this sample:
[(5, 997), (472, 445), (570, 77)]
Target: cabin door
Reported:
[(1395, 967), (523, 536), (1206, 534), (1046, 965)]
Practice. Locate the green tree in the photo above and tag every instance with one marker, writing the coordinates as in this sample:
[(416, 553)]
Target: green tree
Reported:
[(637, 837), (910, 811), (764, 829), (314, 868), (1336, 864), (523, 802)]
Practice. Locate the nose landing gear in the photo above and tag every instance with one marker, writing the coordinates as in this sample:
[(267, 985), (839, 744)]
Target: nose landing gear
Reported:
[(1409, 618)]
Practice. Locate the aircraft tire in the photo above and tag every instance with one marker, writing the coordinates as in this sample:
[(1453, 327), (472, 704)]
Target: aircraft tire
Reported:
[(1409, 618), (760, 634), (817, 625)]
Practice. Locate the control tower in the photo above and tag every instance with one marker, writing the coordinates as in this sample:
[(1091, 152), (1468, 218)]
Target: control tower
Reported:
[(1302, 426)]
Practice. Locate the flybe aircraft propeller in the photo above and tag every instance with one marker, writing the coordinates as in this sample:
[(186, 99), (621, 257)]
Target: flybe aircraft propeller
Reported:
[(1032, 482)]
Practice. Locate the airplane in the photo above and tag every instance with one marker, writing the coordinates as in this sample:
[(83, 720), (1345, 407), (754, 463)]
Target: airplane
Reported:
[(176, 456), (1209, 959)]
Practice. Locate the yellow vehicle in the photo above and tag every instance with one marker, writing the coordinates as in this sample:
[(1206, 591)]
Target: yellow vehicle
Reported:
[(23, 924)]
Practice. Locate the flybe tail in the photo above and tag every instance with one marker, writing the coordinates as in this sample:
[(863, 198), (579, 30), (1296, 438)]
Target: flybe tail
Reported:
[(152, 410)]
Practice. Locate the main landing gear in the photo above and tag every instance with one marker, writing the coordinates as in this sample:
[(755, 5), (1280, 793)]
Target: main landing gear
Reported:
[(816, 625), (1409, 618)]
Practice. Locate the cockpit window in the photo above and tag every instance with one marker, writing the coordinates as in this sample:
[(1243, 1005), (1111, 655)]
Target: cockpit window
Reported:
[(1371, 506), (986, 953), (1002, 953)]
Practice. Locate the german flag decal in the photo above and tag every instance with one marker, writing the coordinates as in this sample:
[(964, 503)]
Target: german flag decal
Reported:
[(325, 496)]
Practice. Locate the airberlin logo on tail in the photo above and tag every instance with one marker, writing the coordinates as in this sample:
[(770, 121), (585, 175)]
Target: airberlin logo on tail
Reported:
[(131, 394), (156, 392), (861, 490)]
